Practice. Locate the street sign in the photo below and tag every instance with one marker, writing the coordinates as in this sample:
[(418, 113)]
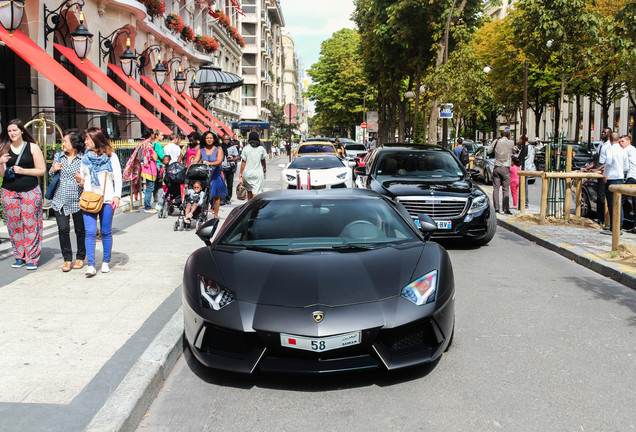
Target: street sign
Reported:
[(446, 111), (363, 126), (291, 111)]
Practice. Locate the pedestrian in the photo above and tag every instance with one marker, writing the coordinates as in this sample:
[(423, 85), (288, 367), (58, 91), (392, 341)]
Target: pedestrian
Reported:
[(230, 158), (502, 148), (142, 166), (211, 154), (194, 198), (157, 143), (616, 164), (173, 148), (514, 180), (189, 152), (462, 153), (529, 164), (21, 163), (630, 177), (65, 202), (100, 173), (253, 166), (600, 185)]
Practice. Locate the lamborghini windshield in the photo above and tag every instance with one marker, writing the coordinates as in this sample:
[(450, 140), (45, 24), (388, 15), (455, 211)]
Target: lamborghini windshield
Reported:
[(317, 224)]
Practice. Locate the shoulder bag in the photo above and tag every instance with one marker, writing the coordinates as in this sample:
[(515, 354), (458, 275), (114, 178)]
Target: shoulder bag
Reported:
[(491, 153), (9, 172), (55, 181), (91, 202)]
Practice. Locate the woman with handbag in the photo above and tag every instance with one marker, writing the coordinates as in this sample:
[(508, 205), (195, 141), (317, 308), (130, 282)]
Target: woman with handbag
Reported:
[(142, 164), (21, 163), (100, 174), (65, 198), (211, 154)]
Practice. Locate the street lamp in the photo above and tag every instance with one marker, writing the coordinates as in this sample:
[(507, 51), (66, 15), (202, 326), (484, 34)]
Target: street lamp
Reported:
[(81, 39), (194, 87), (127, 60), (11, 13), (160, 72), (180, 81)]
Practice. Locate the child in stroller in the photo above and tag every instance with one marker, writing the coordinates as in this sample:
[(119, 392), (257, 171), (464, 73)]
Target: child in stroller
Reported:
[(196, 173), (173, 178), (193, 199)]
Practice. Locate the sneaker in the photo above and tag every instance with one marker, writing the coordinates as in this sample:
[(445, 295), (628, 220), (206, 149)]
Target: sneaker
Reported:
[(31, 266), (105, 267), (90, 271), (150, 211), (18, 263)]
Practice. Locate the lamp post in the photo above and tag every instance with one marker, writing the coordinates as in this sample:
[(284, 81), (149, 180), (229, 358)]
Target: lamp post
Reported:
[(179, 81), (194, 88), (423, 90), (11, 13), (107, 46), (160, 72), (127, 59), (364, 116), (81, 38), (408, 96)]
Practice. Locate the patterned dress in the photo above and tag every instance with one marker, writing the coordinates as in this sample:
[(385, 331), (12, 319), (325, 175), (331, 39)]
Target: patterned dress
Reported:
[(217, 185)]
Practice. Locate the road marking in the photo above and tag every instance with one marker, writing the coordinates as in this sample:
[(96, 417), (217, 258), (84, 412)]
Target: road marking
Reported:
[(565, 245), (631, 270), (594, 257)]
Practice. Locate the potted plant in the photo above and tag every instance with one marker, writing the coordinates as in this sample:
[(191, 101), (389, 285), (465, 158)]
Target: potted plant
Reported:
[(187, 33), (174, 23), (155, 8), (206, 43)]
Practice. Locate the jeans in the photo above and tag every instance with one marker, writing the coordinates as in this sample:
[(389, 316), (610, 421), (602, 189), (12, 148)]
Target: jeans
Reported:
[(148, 192), (627, 198), (64, 233), (501, 178), (229, 183), (609, 196), (90, 223)]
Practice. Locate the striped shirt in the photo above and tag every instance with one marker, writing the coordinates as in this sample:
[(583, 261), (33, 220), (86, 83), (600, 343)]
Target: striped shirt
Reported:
[(67, 194)]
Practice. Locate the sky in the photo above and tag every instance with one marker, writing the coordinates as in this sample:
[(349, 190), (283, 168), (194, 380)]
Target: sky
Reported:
[(311, 22)]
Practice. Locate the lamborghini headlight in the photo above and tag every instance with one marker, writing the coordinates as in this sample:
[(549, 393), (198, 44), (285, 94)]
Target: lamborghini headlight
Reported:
[(214, 294), (290, 178), (423, 290), (342, 176), (479, 203)]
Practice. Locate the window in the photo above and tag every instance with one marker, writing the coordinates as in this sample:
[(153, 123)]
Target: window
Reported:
[(249, 94)]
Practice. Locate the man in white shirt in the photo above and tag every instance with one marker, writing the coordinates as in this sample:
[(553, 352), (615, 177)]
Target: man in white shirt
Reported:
[(600, 190), (630, 177), (173, 148), (616, 165)]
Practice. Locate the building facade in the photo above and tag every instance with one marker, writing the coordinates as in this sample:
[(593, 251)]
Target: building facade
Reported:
[(29, 88), (293, 78), (262, 68)]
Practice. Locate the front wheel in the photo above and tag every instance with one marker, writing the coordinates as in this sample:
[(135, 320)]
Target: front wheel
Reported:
[(491, 229), (176, 225)]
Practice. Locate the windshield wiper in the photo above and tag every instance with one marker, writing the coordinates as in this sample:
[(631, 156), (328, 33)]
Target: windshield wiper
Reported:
[(340, 247)]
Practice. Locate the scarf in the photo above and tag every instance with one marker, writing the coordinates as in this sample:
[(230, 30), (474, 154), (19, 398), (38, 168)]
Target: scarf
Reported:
[(95, 164)]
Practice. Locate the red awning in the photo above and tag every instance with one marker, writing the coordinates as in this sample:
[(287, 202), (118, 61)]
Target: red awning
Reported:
[(206, 113), (173, 103), (113, 89), (193, 111), (46, 65), (151, 99)]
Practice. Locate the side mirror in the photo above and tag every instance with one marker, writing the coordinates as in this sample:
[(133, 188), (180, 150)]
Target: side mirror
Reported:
[(281, 166), (426, 224), (352, 164), (207, 230), (361, 171)]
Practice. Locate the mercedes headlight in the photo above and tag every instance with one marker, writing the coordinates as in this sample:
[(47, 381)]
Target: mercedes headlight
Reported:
[(479, 203), (214, 294), (423, 290)]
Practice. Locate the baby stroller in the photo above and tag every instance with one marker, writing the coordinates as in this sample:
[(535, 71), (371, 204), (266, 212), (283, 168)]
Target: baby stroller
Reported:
[(174, 177), (201, 173)]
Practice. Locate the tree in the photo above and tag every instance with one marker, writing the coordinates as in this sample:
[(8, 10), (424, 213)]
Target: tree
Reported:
[(278, 121), (338, 83)]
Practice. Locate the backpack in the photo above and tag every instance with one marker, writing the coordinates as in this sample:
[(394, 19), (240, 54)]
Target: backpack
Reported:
[(463, 156)]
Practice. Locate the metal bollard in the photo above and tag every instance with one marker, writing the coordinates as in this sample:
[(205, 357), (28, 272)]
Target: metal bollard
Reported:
[(308, 178), (299, 186)]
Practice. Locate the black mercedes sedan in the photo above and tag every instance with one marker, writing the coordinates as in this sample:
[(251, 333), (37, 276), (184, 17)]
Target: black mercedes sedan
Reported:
[(318, 281), (431, 180)]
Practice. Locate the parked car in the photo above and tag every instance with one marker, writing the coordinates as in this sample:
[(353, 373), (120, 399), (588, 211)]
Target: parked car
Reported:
[(317, 282), (430, 180), (581, 156), (354, 149), (483, 165), (325, 172), (315, 147)]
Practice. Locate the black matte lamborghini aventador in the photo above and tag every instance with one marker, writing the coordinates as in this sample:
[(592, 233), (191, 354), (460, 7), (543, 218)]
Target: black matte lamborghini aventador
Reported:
[(318, 281)]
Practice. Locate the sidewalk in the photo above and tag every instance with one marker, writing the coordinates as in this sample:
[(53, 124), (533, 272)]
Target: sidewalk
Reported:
[(91, 354)]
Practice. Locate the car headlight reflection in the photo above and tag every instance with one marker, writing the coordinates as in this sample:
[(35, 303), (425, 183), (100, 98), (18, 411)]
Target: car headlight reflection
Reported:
[(342, 176), (479, 203), (423, 290), (214, 294), (290, 178)]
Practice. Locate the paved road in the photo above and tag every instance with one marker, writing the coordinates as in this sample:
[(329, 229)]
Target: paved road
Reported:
[(541, 343)]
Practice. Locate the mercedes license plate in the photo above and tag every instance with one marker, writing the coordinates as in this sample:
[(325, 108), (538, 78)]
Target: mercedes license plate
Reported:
[(320, 344), (445, 225)]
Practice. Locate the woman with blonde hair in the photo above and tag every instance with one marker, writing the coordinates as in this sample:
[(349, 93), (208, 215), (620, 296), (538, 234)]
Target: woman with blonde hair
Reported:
[(100, 173), (21, 163)]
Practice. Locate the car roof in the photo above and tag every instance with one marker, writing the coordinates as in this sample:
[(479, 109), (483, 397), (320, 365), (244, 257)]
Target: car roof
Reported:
[(411, 147), (338, 193)]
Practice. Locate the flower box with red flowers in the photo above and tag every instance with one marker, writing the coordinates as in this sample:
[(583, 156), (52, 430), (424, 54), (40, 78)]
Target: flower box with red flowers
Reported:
[(187, 33), (155, 8), (206, 43), (174, 23)]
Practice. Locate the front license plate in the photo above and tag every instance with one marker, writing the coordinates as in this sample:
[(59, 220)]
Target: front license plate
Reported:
[(444, 224), (320, 344)]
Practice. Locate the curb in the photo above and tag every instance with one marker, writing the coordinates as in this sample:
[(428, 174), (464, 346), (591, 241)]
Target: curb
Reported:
[(594, 265), (143, 381)]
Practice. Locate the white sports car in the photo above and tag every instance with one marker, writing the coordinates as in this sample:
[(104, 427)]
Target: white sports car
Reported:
[(324, 172)]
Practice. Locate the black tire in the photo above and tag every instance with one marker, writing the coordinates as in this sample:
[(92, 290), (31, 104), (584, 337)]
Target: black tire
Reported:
[(490, 230), (176, 225), (487, 177), (181, 225), (586, 207)]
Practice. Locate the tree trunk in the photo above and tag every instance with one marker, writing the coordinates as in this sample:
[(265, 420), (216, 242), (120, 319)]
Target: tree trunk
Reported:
[(631, 99), (417, 94), (605, 102), (557, 113), (577, 128)]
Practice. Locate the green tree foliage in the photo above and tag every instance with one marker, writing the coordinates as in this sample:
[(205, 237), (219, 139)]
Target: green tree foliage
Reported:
[(338, 86), (278, 122)]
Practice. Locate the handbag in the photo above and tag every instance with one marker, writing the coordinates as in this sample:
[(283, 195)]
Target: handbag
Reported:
[(55, 181), (91, 202), (492, 152), (9, 172), (241, 192)]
